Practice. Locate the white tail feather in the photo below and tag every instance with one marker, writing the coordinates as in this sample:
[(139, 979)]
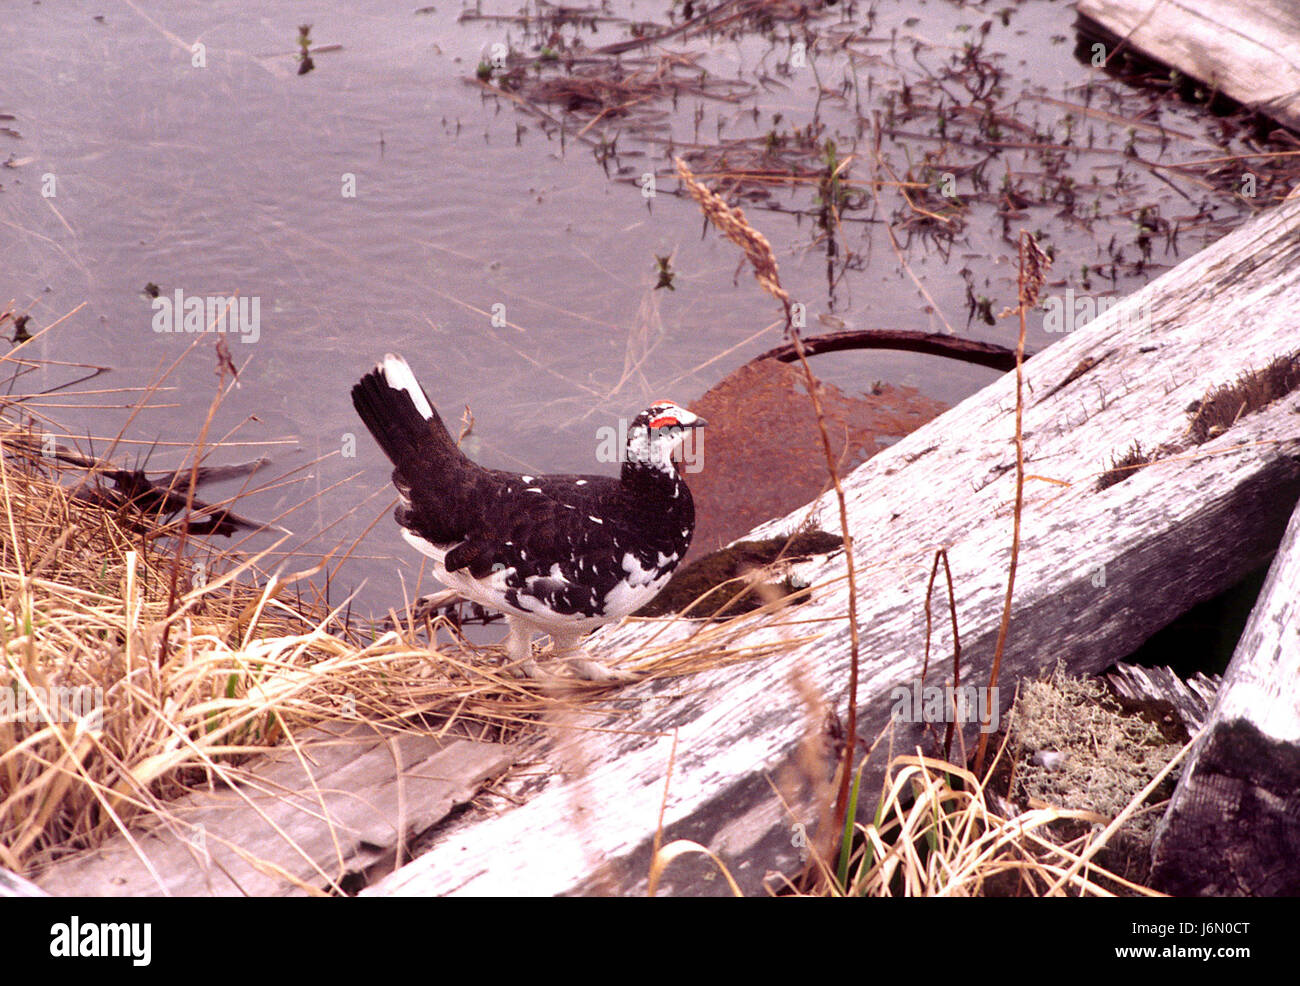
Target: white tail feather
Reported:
[(399, 376)]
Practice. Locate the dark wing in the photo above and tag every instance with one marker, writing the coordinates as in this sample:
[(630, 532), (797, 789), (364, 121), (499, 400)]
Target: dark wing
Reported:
[(566, 541)]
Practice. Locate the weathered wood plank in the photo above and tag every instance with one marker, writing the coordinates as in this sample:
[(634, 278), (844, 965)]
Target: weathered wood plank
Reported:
[(1233, 824), (337, 809), (1099, 572), (1191, 699), (13, 885), (1248, 50)]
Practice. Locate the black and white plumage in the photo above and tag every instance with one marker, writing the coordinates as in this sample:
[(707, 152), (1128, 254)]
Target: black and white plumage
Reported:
[(556, 554)]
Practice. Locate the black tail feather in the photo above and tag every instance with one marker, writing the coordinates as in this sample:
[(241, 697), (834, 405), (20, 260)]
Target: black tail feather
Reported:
[(411, 443)]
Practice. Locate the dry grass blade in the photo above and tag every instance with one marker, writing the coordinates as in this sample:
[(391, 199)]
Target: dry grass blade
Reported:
[(731, 221), (683, 847), (936, 835)]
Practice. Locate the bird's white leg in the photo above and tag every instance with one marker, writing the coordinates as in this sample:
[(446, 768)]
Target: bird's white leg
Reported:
[(519, 648), (568, 644)]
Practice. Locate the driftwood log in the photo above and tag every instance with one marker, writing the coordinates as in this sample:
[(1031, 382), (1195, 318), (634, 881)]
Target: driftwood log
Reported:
[(166, 494), (1244, 49), (1100, 570), (1190, 700), (1233, 825)]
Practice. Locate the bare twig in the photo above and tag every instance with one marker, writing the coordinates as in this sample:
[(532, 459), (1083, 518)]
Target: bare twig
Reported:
[(1033, 274)]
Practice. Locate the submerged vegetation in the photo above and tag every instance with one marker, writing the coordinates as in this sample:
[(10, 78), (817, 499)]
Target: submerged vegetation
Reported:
[(863, 121)]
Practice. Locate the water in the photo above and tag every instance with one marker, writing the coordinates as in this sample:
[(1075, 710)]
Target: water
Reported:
[(383, 203)]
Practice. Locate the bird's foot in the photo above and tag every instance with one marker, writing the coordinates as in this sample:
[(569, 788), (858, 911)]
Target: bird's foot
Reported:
[(590, 670), (530, 669)]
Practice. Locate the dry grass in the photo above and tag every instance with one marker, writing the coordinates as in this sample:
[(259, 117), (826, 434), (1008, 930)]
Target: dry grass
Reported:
[(1125, 465), (1223, 406), (939, 832), (117, 701), (119, 693), (1081, 829)]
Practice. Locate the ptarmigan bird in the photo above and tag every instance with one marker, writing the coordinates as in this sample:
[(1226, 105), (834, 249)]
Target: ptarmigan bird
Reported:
[(556, 554)]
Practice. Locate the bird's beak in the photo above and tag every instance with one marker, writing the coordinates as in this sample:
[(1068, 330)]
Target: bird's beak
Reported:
[(690, 419)]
